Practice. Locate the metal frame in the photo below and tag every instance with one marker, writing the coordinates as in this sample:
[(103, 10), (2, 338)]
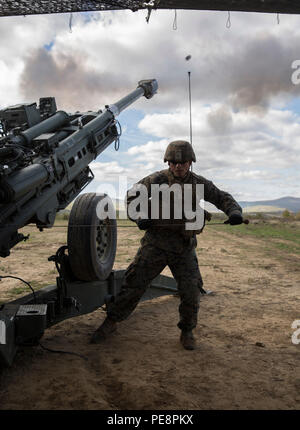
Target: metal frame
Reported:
[(28, 7), (23, 321)]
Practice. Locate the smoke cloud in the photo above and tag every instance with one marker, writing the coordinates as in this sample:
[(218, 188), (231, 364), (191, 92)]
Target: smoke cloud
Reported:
[(104, 59), (68, 79), (231, 71)]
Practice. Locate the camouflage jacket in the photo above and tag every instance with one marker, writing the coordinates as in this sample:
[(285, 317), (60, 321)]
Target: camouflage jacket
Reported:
[(171, 234)]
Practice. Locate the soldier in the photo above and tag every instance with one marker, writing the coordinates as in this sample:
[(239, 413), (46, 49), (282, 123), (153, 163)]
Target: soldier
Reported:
[(169, 243)]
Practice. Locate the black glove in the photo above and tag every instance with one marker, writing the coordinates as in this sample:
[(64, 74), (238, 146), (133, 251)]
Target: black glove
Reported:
[(234, 219), (143, 224)]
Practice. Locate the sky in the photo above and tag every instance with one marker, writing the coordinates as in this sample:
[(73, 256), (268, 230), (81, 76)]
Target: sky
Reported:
[(244, 90)]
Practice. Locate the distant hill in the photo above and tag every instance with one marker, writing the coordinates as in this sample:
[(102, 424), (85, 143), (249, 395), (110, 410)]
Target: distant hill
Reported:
[(278, 205), (290, 203), (269, 209)]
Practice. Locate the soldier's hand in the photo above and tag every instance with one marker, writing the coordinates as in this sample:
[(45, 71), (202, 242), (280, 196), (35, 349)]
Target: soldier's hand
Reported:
[(234, 219), (143, 224)]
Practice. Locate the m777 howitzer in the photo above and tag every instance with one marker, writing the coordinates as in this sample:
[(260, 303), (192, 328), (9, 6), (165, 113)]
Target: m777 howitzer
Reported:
[(45, 156), (44, 165)]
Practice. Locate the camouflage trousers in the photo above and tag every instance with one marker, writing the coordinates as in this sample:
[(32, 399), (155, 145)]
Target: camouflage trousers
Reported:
[(147, 264)]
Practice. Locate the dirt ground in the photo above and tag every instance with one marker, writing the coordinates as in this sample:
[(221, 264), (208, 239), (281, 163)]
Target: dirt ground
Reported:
[(245, 358)]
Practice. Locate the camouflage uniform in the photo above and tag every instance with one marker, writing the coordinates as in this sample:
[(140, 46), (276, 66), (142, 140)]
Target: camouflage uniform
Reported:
[(169, 244)]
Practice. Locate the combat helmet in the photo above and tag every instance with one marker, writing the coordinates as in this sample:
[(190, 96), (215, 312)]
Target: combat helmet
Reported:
[(179, 151)]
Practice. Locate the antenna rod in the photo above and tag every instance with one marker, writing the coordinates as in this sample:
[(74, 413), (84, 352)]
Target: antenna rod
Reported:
[(190, 101)]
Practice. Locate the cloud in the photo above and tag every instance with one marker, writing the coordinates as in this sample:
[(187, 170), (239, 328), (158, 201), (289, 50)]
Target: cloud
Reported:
[(104, 58), (20, 36), (248, 143), (111, 171), (66, 78), (220, 120)]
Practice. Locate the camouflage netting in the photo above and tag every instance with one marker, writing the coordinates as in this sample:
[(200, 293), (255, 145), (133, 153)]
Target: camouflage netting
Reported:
[(31, 7)]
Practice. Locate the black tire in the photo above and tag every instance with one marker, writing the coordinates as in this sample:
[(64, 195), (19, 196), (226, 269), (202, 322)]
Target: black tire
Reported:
[(92, 242)]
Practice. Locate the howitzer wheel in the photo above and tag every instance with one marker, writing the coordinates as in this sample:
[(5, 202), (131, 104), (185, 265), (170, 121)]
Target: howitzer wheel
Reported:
[(92, 241)]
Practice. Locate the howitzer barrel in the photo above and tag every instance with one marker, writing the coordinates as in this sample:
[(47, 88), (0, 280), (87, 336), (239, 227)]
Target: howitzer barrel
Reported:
[(145, 88), (126, 101), (19, 183)]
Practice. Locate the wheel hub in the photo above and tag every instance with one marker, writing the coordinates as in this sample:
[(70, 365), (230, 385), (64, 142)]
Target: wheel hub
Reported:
[(101, 239)]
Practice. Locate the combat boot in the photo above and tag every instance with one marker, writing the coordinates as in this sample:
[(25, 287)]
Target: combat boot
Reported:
[(102, 333), (187, 339)]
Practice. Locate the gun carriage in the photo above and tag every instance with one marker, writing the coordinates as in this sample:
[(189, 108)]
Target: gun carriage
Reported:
[(44, 165)]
